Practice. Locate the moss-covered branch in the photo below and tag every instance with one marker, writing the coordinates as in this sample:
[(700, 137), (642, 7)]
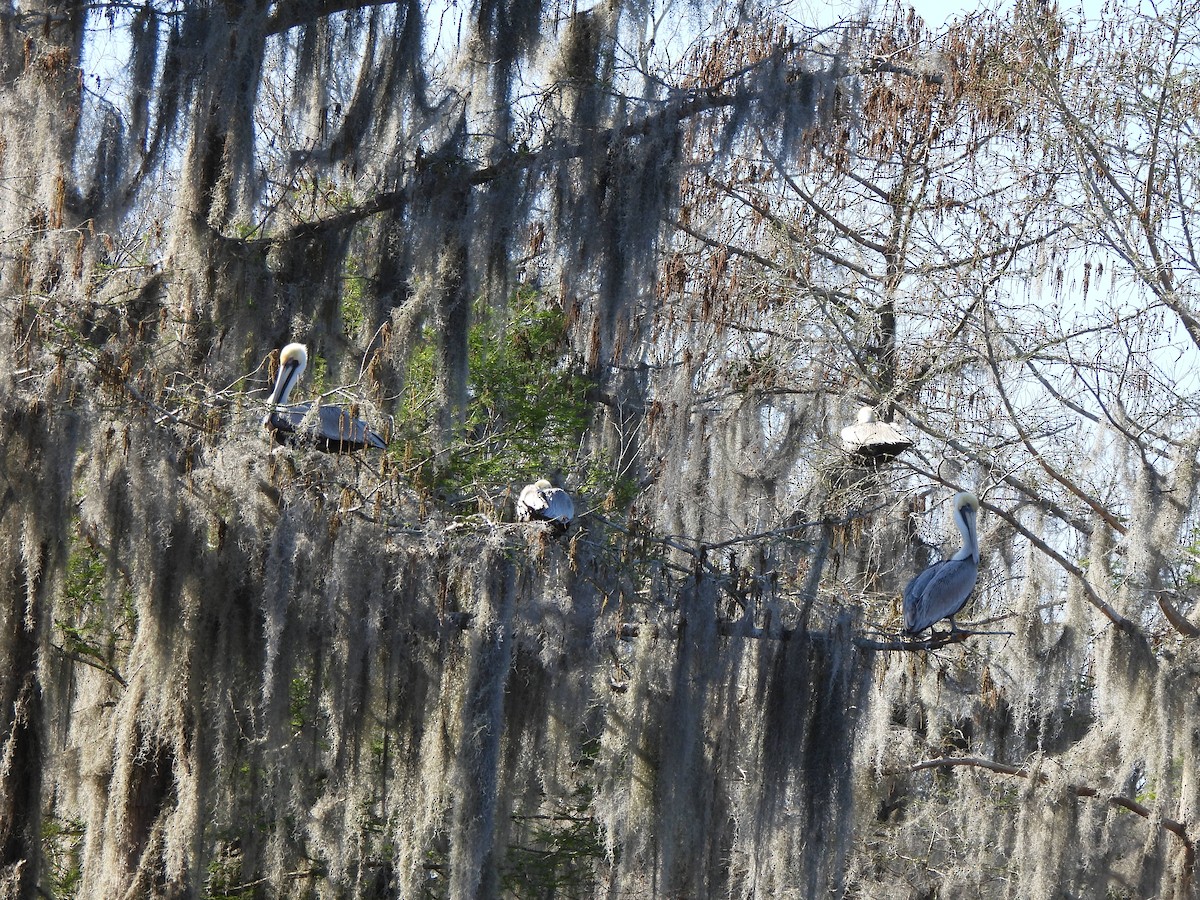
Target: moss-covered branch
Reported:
[(1079, 790)]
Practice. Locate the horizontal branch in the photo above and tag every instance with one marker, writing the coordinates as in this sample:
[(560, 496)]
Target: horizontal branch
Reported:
[(628, 631), (725, 627), (290, 15), (935, 641), (1079, 790), (87, 661), (672, 113)]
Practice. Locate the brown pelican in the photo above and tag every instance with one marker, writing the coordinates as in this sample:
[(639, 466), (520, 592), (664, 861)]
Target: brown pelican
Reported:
[(324, 426), (542, 501), (874, 442), (942, 589)]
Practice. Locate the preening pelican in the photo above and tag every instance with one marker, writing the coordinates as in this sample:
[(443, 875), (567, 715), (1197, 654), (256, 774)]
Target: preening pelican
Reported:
[(327, 427), (942, 590), (542, 501), (872, 441)]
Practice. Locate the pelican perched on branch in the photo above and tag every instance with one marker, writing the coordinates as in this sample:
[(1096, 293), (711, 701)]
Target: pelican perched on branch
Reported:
[(543, 501), (942, 590), (872, 441), (323, 425)]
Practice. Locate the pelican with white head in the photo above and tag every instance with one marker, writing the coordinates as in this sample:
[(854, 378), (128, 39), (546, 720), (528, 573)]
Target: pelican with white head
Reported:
[(941, 590), (322, 425)]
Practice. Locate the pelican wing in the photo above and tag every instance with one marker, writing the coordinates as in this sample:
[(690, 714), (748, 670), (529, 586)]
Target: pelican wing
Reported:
[(938, 592), (337, 426), (875, 440), (329, 428), (559, 507), (549, 504)]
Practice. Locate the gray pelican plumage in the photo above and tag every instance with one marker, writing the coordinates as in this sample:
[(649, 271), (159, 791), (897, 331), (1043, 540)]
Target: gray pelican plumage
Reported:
[(941, 590), (542, 501), (322, 425), (872, 441)]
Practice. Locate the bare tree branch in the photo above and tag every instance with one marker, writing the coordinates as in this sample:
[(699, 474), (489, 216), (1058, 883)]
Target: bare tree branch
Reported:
[(1079, 790)]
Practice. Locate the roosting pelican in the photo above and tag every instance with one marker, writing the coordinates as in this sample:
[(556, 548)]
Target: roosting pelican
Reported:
[(542, 501), (942, 590), (872, 441), (330, 428)]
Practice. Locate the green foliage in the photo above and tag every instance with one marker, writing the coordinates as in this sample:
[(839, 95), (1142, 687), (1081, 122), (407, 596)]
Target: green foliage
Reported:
[(353, 313), (299, 702), (558, 853), (62, 840), (84, 596), (561, 858), (527, 409), (225, 880), (318, 368), (614, 490), (417, 411), (244, 230), (86, 628), (1189, 563), (562, 849)]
